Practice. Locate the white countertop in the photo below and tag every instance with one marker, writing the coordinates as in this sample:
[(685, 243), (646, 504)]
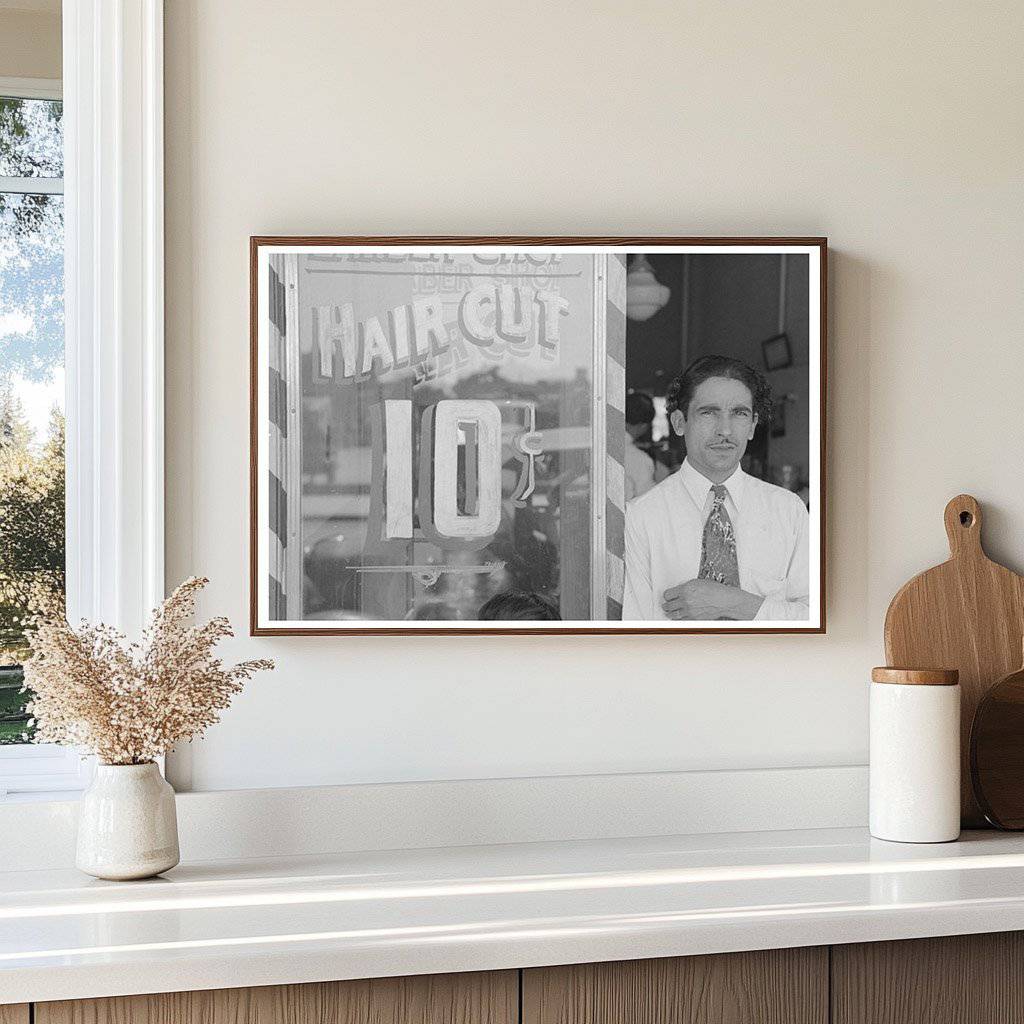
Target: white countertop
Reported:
[(270, 921)]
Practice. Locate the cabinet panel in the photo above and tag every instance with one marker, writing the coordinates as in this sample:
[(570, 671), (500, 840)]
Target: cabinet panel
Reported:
[(779, 986), (962, 979), (478, 998), (14, 1013)]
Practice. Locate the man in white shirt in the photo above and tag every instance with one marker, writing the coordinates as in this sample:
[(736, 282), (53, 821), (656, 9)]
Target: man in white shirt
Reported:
[(712, 542)]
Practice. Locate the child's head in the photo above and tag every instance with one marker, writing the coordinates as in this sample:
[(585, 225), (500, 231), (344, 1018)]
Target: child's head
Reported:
[(518, 604)]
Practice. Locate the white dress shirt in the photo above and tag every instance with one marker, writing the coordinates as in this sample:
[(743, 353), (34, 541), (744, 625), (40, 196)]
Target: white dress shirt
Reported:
[(642, 471), (665, 530), (639, 470)]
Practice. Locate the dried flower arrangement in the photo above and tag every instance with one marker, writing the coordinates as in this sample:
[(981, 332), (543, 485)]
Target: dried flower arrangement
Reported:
[(130, 703)]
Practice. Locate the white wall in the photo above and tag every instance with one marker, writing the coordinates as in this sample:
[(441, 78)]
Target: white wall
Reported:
[(895, 129)]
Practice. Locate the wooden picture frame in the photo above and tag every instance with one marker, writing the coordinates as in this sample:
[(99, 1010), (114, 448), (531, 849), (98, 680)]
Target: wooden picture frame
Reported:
[(283, 406)]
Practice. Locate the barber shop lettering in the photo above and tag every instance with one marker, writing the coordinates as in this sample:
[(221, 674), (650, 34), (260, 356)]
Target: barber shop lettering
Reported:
[(460, 472), (504, 318)]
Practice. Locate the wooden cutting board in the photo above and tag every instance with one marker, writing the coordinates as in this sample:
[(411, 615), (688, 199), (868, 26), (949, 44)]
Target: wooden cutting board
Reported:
[(967, 614)]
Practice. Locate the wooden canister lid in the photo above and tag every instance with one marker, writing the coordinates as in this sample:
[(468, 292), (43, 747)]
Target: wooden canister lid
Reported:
[(916, 676)]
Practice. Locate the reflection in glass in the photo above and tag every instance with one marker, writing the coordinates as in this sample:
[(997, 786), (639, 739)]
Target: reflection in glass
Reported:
[(445, 434)]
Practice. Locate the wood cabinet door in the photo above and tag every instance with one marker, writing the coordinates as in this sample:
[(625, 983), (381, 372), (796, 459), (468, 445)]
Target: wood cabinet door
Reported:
[(478, 998), (777, 986), (14, 1013), (961, 979)]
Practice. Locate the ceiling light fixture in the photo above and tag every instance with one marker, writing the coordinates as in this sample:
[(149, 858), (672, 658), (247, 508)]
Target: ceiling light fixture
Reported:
[(644, 295)]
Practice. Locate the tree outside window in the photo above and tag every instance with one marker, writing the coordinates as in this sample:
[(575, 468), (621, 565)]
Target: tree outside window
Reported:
[(31, 385)]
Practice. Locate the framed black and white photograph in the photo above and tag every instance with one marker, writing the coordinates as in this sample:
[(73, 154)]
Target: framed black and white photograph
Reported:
[(537, 435)]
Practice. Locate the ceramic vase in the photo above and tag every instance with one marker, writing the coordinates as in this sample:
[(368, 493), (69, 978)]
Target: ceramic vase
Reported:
[(127, 825)]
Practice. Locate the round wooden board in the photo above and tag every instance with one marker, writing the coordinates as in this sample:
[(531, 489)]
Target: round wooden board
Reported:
[(997, 753)]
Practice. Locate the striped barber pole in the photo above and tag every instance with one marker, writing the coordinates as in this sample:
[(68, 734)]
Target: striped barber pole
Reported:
[(277, 400), (615, 419)]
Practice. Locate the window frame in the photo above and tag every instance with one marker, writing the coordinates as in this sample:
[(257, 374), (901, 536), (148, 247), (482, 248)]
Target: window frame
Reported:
[(31, 89), (112, 91)]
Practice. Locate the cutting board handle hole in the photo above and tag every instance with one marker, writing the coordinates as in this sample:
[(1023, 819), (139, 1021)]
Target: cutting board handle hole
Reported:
[(962, 518)]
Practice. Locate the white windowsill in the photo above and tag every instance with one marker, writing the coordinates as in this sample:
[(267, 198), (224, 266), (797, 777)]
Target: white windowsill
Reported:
[(41, 771)]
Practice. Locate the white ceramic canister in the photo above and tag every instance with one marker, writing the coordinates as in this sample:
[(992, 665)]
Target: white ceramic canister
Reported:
[(915, 755), (127, 825)]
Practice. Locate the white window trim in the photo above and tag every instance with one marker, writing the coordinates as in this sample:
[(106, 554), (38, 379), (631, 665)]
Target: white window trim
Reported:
[(31, 88), (114, 325), (39, 768)]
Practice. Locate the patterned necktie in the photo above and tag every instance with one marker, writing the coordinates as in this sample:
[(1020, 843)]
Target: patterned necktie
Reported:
[(718, 549)]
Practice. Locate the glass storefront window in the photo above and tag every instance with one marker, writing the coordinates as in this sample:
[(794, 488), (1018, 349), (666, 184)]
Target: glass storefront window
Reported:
[(441, 447)]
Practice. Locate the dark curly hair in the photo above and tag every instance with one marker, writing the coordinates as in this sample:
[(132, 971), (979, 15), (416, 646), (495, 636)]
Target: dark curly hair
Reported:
[(680, 391)]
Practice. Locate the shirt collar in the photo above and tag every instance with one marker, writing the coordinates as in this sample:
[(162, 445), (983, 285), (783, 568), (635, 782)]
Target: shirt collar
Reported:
[(699, 486)]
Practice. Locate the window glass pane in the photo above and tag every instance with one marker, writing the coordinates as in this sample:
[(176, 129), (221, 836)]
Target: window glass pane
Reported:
[(31, 430), (31, 138), (498, 426)]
